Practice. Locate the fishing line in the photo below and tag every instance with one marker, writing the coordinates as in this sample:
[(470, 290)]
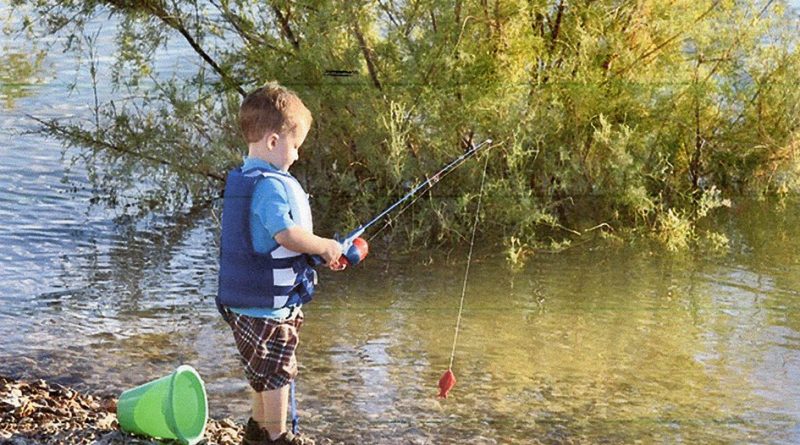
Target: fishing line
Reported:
[(439, 177), (469, 261)]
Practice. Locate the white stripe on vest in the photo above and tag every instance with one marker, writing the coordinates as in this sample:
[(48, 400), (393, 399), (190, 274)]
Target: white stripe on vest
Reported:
[(301, 215)]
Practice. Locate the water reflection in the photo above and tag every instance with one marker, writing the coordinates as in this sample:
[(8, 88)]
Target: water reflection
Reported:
[(20, 72)]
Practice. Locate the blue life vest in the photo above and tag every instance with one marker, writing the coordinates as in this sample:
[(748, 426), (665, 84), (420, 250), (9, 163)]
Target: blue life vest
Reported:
[(248, 279)]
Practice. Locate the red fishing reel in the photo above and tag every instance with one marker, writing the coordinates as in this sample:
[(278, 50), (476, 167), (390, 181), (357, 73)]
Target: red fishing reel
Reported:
[(355, 253), (354, 250)]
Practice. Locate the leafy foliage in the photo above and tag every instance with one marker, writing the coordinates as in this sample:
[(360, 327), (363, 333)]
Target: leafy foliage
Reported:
[(620, 115)]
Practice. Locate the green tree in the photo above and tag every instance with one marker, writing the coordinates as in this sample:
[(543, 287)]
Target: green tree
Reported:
[(636, 116)]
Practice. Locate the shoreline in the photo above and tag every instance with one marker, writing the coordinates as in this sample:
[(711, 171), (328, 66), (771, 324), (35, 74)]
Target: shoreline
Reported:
[(38, 412)]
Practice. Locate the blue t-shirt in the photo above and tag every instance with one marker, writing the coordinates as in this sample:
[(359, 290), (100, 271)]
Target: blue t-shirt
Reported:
[(269, 215)]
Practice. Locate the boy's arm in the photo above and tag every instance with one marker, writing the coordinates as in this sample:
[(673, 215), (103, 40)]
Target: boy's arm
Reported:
[(301, 240), (271, 206)]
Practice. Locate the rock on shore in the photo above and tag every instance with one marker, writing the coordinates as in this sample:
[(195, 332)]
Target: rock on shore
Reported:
[(42, 413)]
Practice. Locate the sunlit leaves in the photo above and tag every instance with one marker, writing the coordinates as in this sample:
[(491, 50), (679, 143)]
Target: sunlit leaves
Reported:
[(626, 113)]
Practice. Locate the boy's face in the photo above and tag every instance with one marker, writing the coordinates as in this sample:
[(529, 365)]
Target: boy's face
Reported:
[(284, 146)]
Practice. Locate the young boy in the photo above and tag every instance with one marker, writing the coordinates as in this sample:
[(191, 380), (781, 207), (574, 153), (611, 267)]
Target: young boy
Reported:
[(265, 276)]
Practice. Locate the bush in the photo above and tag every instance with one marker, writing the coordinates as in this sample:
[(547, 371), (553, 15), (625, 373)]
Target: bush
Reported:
[(641, 109)]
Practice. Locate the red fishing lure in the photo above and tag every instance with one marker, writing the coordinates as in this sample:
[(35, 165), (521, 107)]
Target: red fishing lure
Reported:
[(446, 383)]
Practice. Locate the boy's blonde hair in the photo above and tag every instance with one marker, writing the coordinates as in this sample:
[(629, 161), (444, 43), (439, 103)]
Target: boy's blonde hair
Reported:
[(271, 108)]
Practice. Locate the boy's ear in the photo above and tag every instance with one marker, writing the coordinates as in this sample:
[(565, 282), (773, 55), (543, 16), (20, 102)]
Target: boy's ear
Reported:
[(271, 139)]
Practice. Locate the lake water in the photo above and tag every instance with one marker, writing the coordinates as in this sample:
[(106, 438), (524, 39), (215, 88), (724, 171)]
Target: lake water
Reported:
[(613, 345)]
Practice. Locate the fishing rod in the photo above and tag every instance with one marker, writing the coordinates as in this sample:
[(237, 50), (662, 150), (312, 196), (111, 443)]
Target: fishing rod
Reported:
[(356, 248)]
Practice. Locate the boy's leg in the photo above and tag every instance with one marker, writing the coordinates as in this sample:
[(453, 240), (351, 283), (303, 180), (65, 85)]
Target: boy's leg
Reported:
[(275, 405), (267, 350), (259, 414)]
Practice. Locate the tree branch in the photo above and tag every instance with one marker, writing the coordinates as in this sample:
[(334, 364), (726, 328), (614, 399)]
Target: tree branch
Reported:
[(285, 27), (174, 22), (81, 136), (667, 42), (557, 27), (368, 55)]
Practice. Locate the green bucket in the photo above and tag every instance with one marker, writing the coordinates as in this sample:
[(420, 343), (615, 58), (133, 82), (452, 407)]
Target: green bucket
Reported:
[(172, 407)]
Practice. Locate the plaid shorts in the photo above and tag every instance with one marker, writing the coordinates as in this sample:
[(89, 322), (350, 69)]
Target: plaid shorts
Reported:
[(266, 348)]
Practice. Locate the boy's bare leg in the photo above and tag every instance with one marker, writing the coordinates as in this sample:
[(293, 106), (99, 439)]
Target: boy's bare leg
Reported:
[(257, 405), (275, 403)]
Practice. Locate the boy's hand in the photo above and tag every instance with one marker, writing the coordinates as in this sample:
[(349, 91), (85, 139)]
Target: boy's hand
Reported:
[(331, 253), (301, 240)]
